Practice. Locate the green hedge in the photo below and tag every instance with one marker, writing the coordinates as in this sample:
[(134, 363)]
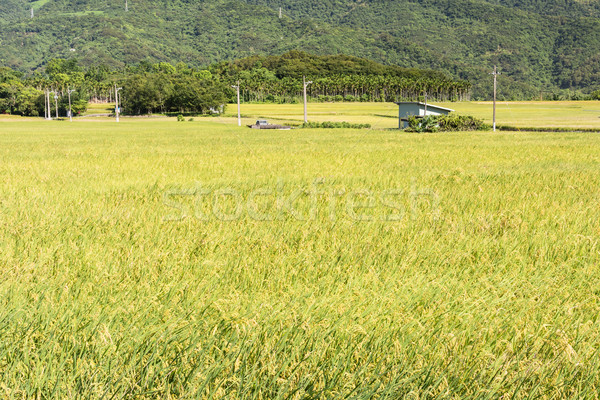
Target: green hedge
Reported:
[(446, 123), (330, 125)]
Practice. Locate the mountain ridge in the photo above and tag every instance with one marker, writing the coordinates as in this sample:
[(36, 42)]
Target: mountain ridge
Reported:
[(540, 46)]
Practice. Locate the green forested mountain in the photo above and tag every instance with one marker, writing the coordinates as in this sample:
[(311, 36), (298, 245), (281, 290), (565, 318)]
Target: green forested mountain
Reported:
[(539, 45)]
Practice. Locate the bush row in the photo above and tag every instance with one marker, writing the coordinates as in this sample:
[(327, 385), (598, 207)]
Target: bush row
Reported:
[(446, 123), (330, 125)]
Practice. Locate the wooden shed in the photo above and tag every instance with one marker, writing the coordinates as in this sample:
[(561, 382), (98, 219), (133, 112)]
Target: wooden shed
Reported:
[(410, 108)]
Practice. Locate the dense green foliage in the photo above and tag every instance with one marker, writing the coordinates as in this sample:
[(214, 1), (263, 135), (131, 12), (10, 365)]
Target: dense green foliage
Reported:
[(15, 96), (445, 123), (164, 88), (171, 91), (334, 125), (546, 48), (336, 78)]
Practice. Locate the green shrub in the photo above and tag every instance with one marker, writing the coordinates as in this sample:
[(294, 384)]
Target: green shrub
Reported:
[(425, 124), (180, 118), (333, 125), (446, 123)]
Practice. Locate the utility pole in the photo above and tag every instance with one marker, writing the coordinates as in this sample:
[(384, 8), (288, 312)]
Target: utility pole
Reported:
[(117, 101), (495, 73), (48, 114), (305, 84), (45, 105), (126, 8), (70, 112), (280, 14), (237, 88), (56, 104), (425, 103), (31, 12)]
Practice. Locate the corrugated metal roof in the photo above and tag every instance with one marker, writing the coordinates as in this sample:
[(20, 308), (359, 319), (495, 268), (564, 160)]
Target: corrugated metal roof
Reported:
[(423, 104)]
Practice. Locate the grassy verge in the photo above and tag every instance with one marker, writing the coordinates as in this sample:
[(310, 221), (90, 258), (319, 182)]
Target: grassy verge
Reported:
[(99, 108), (547, 129)]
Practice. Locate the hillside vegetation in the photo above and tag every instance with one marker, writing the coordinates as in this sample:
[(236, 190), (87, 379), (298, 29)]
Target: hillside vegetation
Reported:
[(540, 46), (162, 87)]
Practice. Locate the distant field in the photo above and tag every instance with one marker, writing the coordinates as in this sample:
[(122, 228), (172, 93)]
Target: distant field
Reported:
[(573, 114), (559, 114), (100, 108), (164, 259), (520, 115)]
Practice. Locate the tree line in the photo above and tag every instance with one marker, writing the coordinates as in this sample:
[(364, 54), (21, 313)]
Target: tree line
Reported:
[(166, 88), (336, 78), (349, 88)]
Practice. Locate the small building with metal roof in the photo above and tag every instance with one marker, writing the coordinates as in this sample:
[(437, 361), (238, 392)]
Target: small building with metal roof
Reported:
[(416, 108)]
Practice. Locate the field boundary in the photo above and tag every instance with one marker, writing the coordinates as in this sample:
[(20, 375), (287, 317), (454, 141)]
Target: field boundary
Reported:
[(546, 129)]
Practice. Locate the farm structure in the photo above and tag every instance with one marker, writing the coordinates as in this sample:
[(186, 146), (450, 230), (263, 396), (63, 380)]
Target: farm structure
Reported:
[(408, 108)]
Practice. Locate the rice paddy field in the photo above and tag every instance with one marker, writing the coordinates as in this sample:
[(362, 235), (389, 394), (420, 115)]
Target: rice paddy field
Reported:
[(520, 115), (163, 259)]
